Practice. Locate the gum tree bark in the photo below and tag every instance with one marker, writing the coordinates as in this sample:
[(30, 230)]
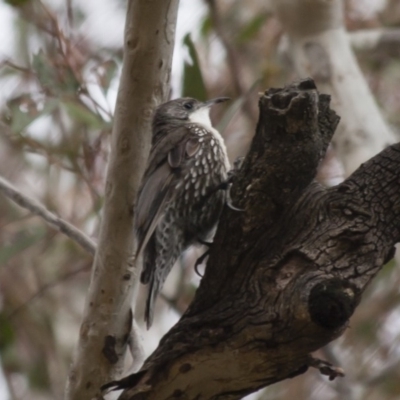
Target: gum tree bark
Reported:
[(107, 321), (285, 274), (319, 47)]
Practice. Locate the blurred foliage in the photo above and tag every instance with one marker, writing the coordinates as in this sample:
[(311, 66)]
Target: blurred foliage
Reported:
[(193, 83), (252, 28), (55, 121), (16, 3), (7, 335), (22, 242), (58, 91), (54, 77)]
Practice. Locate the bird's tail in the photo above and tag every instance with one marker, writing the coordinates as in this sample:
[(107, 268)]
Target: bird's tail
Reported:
[(154, 288)]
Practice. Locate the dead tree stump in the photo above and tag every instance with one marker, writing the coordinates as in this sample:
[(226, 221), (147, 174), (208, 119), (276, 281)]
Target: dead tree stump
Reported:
[(284, 275)]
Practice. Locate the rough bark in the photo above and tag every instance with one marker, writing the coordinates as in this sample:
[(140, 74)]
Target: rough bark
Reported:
[(319, 47), (107, 321), (284, 275)]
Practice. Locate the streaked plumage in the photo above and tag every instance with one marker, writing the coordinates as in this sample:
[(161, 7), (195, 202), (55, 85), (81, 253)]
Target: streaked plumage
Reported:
[(178, 203)]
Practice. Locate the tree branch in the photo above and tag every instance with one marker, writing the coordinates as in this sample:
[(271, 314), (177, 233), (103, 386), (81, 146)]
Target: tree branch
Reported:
[(285, 275), (40, 210), (379, 41), (64, 227), (107, 321)]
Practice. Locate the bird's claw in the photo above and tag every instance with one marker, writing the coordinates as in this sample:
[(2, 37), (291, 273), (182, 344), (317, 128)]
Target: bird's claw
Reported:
[(229, 200), (204, 242), (237, 165), (199, 261)]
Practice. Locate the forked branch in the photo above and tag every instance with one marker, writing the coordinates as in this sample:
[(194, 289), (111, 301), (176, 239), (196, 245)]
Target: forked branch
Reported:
[(285, 275)]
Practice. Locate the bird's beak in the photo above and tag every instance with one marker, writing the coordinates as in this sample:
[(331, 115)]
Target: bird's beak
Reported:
[(210, 103)]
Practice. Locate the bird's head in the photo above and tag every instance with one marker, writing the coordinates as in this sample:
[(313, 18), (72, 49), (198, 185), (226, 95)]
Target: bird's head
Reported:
[(184, 110)]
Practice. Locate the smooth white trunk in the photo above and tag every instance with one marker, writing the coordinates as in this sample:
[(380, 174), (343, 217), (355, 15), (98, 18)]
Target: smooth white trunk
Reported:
[(319, 47)]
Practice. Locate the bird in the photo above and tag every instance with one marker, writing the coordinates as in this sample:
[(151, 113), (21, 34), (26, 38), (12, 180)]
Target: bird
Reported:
[(179, 201)]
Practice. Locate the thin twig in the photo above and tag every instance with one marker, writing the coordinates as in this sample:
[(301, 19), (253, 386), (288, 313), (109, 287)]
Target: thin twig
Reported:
[(9, 63), (47, 286), (70, 14), (343, 387), (68, 54), (40, 210)]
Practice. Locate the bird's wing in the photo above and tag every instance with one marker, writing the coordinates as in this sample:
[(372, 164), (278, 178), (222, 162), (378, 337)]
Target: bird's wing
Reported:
[(151, 203), (161, 148), (159, 181)]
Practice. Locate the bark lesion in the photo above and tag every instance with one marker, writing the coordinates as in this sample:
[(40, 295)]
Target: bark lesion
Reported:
[(285, 275)]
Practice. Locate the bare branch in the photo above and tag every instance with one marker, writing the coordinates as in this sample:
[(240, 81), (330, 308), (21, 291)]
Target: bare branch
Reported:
[(40, 210), (285, 275), (380, 40)]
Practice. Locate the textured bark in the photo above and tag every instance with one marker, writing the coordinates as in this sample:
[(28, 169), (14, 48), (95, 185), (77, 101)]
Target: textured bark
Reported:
[(107, 321), (284, 275), (319, 47)]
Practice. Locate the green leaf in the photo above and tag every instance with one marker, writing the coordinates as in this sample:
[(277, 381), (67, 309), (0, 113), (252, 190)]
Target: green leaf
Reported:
[(206, 26), (6, 332), (252, 28), (80, 113), (22, 242), (38, 376), (386, 271), (193, 83), (16, 3), (45, 72), (24, 110), (57, 79), (20, 119)]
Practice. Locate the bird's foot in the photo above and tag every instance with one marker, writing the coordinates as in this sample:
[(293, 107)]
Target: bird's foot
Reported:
[(237, 165), (226, 185)]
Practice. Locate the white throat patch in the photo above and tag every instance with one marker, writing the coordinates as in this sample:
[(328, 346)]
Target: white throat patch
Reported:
[(201, 116)]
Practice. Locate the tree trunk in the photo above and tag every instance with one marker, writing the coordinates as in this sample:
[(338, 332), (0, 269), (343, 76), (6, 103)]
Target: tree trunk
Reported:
[(107, 321), (284, 275)]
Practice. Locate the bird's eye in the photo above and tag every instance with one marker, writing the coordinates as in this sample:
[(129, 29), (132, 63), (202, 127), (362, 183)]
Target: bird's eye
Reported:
[(188, 106)]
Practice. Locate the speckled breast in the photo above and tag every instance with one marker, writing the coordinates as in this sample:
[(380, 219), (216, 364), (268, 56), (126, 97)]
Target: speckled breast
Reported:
[(201, 198)]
